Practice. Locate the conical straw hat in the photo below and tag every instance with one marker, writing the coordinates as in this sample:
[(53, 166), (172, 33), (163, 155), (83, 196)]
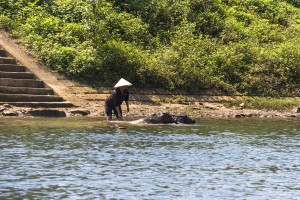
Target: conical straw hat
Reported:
[(122, 82)]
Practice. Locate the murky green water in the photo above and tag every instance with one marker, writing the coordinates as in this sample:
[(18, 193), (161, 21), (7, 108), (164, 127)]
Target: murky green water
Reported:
[(90, 159)]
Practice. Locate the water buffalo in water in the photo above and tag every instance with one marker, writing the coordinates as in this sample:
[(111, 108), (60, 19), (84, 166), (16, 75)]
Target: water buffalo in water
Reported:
[(166, 118)]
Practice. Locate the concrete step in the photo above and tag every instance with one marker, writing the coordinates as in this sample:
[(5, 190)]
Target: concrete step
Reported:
[(3, 53), (40, 104), (18, 87), (21, 83), (26, 90), (29, 98), (17, 75), (7, 60), (12, 68)]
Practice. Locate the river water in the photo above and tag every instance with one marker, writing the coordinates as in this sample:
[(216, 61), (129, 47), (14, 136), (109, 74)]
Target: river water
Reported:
[(88, 158)]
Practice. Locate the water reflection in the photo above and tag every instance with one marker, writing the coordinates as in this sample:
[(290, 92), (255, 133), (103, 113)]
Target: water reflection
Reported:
[(92, 159)]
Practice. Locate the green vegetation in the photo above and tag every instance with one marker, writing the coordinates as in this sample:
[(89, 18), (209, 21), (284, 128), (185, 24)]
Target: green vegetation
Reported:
[(268, 103), (245, 46), (176, 99)]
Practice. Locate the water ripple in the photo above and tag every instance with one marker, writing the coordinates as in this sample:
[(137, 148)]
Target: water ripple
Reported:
[(214, 160)]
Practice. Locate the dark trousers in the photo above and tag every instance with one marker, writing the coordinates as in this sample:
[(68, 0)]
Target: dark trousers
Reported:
[(109, 109)]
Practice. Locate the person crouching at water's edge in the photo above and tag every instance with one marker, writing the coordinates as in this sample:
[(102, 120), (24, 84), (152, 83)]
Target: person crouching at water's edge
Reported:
[(114, 101)]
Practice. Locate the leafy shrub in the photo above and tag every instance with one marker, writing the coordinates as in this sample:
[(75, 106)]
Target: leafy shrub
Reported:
[(250, 46), (6, 23)]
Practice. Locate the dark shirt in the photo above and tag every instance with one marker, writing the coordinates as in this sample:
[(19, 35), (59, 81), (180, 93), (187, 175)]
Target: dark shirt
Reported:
[(116, 98)]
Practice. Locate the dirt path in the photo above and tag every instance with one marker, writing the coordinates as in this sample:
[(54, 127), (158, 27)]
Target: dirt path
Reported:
[(144, 102)]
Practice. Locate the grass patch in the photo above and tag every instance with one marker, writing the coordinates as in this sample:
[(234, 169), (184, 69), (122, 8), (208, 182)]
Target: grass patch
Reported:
[(175, 99), (268, 103)]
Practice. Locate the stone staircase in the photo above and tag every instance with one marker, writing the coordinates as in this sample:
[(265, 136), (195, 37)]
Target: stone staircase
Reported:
[(19, 87)]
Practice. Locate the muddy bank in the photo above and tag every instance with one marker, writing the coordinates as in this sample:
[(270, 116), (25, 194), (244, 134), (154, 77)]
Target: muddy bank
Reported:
[(140, 110)]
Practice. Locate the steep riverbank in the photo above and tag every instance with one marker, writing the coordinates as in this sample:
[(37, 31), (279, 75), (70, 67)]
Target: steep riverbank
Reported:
[(89, 101)]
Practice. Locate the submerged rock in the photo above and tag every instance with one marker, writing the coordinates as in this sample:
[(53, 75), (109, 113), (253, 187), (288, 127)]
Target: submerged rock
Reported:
[(7, 106), (166, 118), (80, 112), (46, 113), (10, 113)]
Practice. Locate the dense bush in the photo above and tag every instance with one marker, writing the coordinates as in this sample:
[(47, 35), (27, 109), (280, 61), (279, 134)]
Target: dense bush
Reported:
[(246, 46)]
